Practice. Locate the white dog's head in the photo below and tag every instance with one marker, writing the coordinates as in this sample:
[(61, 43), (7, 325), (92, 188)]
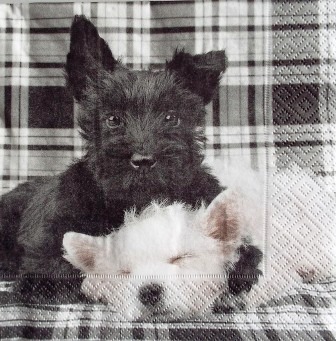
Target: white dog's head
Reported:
[(168, 261)]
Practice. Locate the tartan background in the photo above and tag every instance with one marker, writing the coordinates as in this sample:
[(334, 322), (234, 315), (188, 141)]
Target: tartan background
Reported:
[(37, 125), (276, 106), (276, 99)]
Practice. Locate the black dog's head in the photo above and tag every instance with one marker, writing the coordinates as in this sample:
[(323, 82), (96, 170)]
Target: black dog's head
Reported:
[(142, 128)]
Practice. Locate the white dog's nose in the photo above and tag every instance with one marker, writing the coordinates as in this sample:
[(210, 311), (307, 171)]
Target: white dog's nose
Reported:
[(150, 295)]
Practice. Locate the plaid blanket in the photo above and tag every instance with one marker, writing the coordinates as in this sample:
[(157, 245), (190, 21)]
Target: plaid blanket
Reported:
[(275, 108), (303, 315)]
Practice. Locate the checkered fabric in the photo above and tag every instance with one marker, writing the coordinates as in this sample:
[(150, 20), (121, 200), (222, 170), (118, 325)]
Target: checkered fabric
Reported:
[(38, 129), (275, 107)]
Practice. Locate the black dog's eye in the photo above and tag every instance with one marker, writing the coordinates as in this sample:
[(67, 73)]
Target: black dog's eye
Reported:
[(172, 119), (113, 121)]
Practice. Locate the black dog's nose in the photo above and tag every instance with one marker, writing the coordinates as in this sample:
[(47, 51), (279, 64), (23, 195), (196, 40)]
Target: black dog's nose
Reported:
[(140, 161), (150, 294)]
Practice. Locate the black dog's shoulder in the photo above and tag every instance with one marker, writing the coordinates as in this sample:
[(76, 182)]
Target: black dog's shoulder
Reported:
[(77, 190), (68, 198), (12, 206), (13, 203)]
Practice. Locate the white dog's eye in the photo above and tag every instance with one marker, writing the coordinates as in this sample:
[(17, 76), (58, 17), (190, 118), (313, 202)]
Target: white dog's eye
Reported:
[(178, 258)]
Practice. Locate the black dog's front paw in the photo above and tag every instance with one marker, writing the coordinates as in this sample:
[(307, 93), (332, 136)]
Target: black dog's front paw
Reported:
[(245, 272)]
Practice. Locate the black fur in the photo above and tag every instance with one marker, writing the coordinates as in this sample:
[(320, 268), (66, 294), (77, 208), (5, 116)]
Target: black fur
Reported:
[(243, 276), (245, 273), (93, 194), (199, 73)]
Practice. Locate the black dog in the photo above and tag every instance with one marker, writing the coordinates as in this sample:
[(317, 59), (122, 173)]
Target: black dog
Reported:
[(143, 142)]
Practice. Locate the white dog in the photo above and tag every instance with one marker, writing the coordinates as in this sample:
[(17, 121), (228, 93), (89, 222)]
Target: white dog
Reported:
[(172, 262)]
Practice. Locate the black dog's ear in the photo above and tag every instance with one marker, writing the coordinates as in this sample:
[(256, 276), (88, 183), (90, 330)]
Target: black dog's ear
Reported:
[(88, 54), (199, 73)]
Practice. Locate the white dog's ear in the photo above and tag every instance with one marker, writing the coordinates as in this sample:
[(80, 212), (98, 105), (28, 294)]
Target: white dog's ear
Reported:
[(221, 219), (81, 250)]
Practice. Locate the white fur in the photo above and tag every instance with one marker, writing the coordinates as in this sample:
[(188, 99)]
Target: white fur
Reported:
[(144, 246)]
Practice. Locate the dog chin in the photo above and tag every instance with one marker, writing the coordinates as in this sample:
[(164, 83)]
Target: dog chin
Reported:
[(144, 185)]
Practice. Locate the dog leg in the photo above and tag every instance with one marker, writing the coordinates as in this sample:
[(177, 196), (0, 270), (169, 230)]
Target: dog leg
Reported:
[(241, 279), (245, 272), (12, 205)]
